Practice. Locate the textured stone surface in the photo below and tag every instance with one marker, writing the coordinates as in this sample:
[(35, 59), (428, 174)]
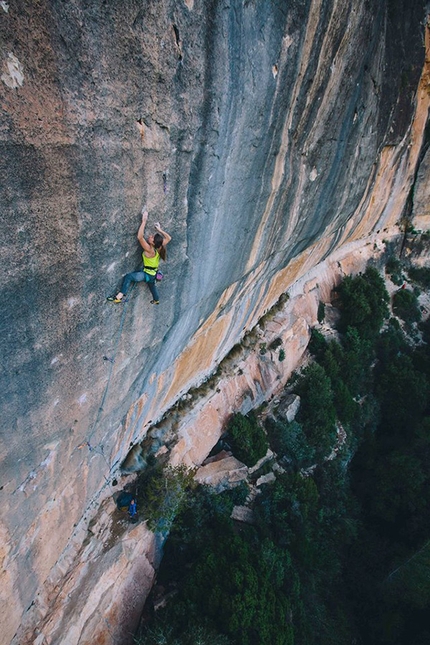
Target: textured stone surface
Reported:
[(270, 478), (421, 209), (243, 514), (222, 474), (289, 407), (266, 138)]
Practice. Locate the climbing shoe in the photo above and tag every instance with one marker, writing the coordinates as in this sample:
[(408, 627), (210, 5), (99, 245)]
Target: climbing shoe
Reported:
[(155, 302), (115, 299)]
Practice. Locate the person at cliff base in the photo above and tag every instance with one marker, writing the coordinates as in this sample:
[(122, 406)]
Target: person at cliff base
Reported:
[(132, 511), (154, 248)]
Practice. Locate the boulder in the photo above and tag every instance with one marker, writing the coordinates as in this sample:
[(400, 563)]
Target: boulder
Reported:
[(222, 474), (266, 479), (243, 514), (289, 406)]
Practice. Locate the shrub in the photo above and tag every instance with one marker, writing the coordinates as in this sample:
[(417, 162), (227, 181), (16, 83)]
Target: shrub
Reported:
[(394, 270), (364, 303), (233, 586), (321, 312), (277, 342), (421, 275), (346, 407), (282, 354), (162, 493), (317, 413), (247, 438), (317, 343), (288, 440), (403, 393), (358, 356), (405, 305)]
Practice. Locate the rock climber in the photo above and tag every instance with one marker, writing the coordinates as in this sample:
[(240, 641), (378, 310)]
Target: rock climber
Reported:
[(132, 510), (154, 248)]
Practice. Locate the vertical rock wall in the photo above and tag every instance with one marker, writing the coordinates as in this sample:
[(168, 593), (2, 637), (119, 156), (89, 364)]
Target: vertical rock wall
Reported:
[(263, 136)]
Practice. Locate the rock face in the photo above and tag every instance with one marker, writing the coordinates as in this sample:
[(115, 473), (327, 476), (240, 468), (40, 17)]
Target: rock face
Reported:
[(268, 139)]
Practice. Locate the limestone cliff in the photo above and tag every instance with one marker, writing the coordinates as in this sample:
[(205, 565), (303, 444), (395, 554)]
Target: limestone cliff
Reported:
[(269, 138)]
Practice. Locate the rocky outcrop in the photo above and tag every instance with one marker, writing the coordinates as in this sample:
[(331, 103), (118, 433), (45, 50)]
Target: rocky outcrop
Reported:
[(289, 407), (222, 474), (277, 144)]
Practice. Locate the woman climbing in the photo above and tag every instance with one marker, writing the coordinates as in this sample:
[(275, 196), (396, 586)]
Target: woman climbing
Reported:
[(154, 248)]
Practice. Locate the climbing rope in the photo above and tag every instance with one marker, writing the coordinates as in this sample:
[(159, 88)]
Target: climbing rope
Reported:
[(98, 448)]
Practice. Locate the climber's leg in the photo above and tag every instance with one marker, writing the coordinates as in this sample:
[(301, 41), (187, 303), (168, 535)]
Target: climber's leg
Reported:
[(154, 291)]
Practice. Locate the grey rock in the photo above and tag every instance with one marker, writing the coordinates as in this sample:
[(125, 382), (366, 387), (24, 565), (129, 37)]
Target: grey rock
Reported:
[(222, 474), (289, 406), (270, 478), (243, 514)]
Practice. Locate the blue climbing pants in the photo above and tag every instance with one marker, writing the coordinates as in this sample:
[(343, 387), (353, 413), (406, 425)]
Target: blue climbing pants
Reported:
[(140, 276)]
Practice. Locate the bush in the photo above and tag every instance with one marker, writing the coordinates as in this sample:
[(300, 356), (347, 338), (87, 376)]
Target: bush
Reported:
[(162, 493), (232, 585), (247, 438), (288, 440), (317, 413), (364, 303), (405, 305), (421, 275), (394, 270), (277, 342), (317, 343), (358, 356)]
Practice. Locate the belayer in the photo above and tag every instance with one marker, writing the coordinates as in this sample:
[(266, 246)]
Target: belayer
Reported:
[(154, 248), (132, 511)]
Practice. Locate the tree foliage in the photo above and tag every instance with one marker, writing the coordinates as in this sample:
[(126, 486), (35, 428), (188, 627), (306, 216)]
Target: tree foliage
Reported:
[(364, 303), (317, 414), (289, 442), (163, 493), (248, 439), (421, 275), (405, 305)]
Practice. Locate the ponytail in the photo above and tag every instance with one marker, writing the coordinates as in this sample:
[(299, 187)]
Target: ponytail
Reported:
[(158, 244)]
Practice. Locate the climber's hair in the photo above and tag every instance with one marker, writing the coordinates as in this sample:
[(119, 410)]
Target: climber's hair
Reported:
[(158, 244)]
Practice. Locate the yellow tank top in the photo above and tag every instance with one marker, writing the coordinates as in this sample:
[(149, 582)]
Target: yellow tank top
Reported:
[(150, 265)]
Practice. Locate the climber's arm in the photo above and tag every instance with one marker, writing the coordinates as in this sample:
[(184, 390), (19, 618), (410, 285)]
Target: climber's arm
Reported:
[(143, 243), (165, 235)]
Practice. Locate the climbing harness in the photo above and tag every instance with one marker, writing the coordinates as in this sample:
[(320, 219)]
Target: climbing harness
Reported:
[(150, 265)]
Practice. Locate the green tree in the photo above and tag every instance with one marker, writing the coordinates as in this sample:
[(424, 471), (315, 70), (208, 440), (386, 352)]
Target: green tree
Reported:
[(405, 305), (317, 413), (404, 393), (248, 439), (364, 303), (235, 584), (163, 494), (317, 343), (421, 275), (289, 441), (397, 494)]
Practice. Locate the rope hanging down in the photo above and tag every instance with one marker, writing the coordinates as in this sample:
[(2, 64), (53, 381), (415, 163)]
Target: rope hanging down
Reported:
[(111, 360)]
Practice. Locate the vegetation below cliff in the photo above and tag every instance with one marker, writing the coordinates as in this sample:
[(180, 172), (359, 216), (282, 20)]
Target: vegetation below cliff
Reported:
[(338, 554)]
